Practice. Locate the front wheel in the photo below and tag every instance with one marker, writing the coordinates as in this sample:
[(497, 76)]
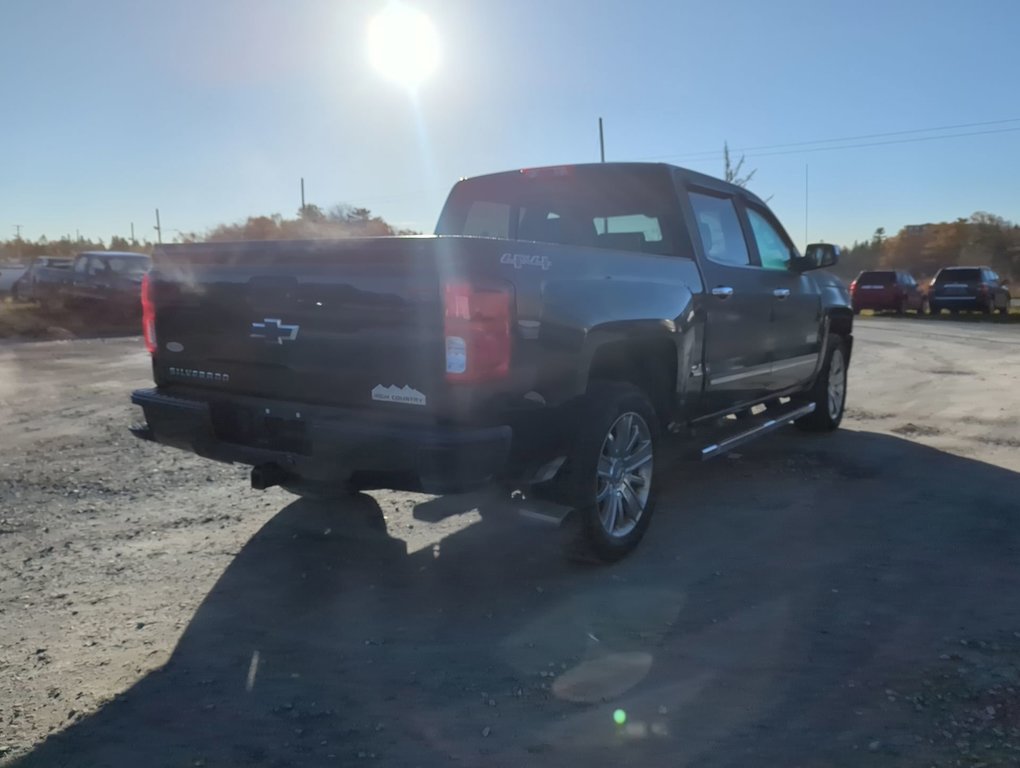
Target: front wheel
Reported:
[(610, 476), (829, 390)]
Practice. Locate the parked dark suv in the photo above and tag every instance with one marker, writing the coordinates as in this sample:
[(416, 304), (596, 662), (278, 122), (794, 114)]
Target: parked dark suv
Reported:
[(972, 288), (887, 289)]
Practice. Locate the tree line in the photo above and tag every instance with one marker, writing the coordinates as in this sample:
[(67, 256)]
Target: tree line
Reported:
[(311, 222), (984, 239)]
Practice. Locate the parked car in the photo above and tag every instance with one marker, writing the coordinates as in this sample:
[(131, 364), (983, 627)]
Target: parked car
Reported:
[(24, 288), (888, 290), (10, 274), (106, 280), (971, 288), (562, 322)]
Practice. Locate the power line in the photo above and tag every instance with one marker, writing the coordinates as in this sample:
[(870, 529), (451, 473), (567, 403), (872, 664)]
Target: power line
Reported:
[(711, 154), (913, 140)]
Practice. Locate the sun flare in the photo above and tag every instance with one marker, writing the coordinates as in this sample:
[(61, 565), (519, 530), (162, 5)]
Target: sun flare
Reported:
[(403, 45)]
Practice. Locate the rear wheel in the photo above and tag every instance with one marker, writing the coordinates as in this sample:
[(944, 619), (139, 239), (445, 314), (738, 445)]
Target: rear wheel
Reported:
[(610, 476), (829, 390)]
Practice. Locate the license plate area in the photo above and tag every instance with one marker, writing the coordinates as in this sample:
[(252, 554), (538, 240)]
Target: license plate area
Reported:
[(259, 428)]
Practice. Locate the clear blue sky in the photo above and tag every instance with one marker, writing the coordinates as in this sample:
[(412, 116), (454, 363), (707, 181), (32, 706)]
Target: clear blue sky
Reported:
[(213, 110)]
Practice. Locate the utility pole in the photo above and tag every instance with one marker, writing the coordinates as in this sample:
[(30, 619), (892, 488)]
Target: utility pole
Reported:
[(132, 231), (17, 231), (302, 195), (159, 229), (602, 143), (805, 205)]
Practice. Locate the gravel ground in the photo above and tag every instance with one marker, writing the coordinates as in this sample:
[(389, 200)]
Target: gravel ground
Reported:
[(815, 601)]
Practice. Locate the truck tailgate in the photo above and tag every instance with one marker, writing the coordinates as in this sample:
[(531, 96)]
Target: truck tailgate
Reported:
[(342, 322)]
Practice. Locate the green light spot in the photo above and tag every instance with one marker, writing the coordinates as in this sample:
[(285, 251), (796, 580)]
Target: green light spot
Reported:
[(619, 717)]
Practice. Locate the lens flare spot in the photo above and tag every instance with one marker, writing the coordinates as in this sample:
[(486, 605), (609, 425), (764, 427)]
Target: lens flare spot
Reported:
[(619, 717)]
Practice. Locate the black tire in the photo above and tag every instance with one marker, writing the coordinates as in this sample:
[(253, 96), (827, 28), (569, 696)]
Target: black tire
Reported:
[(826, 418), (602, 413), (901, 307), (934, 309)]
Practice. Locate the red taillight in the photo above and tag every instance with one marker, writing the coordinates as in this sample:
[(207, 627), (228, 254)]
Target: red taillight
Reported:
[(853, 287), (148, 316), (477, 326)]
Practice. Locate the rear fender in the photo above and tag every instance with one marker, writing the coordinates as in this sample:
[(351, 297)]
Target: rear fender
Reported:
[(582, 318)]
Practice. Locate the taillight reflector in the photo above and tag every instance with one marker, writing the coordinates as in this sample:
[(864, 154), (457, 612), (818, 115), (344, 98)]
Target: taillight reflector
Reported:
[(148, 315), (477, 326)]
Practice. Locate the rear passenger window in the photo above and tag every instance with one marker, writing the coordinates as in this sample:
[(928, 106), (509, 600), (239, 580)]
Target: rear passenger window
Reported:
[(719, 228), (485, 219)]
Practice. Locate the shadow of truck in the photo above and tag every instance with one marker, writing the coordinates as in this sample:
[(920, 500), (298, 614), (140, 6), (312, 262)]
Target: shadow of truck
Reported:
[(776, 598)]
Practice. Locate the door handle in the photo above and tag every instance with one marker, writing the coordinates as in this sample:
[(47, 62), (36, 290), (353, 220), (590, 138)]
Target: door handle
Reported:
[(781, 293), (722, 292)]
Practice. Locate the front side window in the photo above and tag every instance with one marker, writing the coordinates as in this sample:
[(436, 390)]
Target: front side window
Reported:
[(81, 265), (773, 249), (719, 229)]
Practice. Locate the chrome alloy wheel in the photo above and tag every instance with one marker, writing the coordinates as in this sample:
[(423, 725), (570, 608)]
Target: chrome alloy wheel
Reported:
[(837, 383), (624, 477)]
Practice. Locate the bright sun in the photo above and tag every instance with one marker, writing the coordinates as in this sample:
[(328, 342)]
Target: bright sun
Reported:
[(403, 45)]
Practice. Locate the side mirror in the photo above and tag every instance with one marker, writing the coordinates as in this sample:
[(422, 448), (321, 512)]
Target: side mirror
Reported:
[(816, 256)]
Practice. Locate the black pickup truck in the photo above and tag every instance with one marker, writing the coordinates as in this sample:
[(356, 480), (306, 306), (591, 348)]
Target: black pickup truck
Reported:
[(558, 326)]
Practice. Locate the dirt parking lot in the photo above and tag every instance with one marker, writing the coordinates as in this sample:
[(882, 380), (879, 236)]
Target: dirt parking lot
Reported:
[(843, 600)]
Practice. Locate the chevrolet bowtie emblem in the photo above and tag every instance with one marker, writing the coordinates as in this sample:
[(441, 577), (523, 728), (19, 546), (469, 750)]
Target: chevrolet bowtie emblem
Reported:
[(274, 331)]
